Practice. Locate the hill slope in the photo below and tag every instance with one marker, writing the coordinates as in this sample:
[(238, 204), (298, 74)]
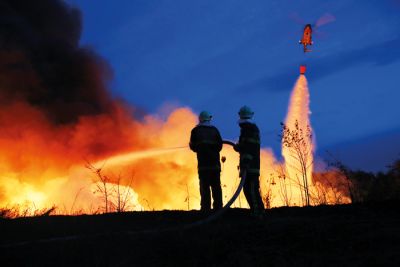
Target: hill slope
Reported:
[(348, 235)]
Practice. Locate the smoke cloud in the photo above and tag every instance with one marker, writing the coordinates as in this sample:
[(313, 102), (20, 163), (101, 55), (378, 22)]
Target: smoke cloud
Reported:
[(42, 64)]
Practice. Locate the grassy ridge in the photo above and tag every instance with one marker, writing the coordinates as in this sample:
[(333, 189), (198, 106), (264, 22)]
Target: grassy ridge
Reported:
[(347, 235)]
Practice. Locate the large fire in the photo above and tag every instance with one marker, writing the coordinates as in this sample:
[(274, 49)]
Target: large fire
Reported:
[(65, 143), (46, 165)]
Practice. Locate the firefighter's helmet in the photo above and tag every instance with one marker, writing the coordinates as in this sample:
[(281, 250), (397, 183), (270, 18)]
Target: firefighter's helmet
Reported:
[(245, 112), (205, 116)]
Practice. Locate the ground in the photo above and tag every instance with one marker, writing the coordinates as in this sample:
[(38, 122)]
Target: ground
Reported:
[(342, 235)]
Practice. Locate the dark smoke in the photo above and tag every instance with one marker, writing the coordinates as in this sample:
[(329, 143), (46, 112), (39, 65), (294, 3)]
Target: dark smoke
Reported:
[(42, 63)]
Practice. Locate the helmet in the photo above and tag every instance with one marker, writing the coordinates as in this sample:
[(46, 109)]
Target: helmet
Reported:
[(204, 116), (245, 112)]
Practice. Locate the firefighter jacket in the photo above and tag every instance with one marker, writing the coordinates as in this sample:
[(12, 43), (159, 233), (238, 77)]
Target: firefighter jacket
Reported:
[(206, 141), (249, 147)]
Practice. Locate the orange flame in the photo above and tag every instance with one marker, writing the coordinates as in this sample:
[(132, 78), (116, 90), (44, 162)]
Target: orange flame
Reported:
[(148, 162)]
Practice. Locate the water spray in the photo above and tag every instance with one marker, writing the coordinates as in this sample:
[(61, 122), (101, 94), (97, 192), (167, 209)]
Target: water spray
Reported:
[(299, 146), (137, 155)]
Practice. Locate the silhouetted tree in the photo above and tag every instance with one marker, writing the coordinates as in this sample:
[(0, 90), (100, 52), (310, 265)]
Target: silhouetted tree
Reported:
[(299, 141), (115, 197)]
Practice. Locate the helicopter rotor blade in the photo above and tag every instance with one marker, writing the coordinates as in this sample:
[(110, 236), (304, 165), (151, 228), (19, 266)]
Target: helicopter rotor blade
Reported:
[(320, 35), (325, 19)]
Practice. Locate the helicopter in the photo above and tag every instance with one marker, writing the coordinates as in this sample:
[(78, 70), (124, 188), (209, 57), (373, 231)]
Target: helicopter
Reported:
[(307, 38)]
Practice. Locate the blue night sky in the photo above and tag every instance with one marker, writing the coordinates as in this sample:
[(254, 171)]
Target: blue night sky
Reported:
[(220, 55)]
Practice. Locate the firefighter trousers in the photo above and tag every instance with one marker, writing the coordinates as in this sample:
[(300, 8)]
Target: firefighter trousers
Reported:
[(251, 191), (210, 182)]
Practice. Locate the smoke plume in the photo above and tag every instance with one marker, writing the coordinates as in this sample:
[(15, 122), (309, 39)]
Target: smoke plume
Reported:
[(42, 64)]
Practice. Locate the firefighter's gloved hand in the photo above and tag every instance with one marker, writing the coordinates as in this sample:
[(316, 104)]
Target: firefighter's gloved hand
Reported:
[(242, 172)]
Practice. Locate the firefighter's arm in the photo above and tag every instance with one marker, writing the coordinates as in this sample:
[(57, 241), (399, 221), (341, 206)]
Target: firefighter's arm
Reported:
[(192, 147), (192, 143)]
